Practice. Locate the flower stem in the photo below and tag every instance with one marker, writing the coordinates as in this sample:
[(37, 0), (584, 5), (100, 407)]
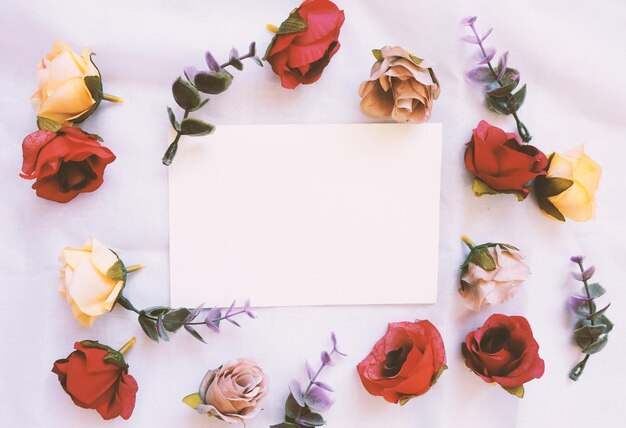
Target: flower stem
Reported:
[(134, 268), (587, 292), (112, 98), (521, 128), (124, 349), (468, 242), (170, 153)]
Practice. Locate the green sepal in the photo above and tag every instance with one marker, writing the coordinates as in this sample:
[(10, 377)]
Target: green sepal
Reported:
[(112, 356), (293, 24), (94, 85), (481, 188), (518, 391), (415, 59), (542, 187), (193, 400), (480, 255), (46, 124), (378, 54), (117, 272)]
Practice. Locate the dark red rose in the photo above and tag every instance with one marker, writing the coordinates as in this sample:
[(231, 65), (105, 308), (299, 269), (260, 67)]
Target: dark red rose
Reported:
[(405, 362), (504, 351), (305, 42), (64, 163), (96, 377), (499, 160)]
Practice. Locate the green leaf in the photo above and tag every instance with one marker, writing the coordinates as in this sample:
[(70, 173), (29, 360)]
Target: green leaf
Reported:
[(481, 188), (552, 186), (502, 91), (155, 311), (94, 85), (202, 104), (214, 83), (599, 313), (185, 94), (173, 120), (117, 272), (582, 310), (285, 425), (292, 408), (595, 290), (193, 400), (377, 54), (518, 99), (46, 124), (174, 319), (148, 326), (596, 346), (311, 419), (191, 126), (602, 319), (499, 105), (293, 24), (257, 60), (547, 206), (518, 391), (588, 334)]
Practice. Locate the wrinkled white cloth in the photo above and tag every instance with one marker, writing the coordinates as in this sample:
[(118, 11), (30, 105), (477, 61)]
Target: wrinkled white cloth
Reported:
[(569, 53)]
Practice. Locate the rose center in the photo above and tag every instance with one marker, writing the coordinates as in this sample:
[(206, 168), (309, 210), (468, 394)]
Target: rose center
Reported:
[(74, 175), (394, 360), (494, 340)]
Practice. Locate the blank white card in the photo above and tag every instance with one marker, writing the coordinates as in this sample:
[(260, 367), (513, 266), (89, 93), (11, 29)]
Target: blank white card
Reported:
[(291, 215)]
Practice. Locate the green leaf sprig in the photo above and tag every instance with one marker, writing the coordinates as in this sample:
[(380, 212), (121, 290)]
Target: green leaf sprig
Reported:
[(186, 91)]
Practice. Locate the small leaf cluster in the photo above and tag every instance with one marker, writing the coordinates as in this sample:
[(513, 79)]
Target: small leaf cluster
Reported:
[(187, 91), (592, 329), (303, 408)]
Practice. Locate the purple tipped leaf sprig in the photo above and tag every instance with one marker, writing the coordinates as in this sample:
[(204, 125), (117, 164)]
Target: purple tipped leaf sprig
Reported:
[(593, 327), (498, 83), (304, 406), (186, 91), (157, 321)]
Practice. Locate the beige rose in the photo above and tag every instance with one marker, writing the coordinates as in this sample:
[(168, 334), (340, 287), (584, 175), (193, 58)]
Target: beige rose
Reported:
[(91, 280), (232, 393), (62, 94), (578, 201), (400, 85), (489, 285)]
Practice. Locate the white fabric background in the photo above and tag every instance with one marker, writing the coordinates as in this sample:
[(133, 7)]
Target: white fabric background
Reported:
[(569, 53)]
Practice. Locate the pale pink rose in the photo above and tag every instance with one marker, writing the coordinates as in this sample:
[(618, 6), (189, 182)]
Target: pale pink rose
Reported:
[(401, 86), (232, 393), (480, 287)]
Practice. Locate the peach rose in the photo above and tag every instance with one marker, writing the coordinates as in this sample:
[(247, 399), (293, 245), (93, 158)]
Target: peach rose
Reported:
[(400, 85)]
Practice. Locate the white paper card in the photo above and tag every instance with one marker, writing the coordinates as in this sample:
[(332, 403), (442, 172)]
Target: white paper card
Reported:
[(291, 215)]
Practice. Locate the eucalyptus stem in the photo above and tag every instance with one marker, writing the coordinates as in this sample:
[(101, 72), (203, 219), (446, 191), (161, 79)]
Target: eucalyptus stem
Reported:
[(312, 381), (521, 128), (587, 292), (168, 157)]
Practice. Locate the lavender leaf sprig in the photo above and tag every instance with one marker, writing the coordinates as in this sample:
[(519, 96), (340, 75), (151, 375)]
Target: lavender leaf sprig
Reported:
[(498, 83), (187, 89), (157, 321), (303, 407), (593, 327)]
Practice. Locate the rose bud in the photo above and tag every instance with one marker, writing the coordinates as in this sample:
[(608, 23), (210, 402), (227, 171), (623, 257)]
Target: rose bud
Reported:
[(64, 163), (504, 351), (96, 377), (69, 86), (401, 86), (232, 393), (405, 362), (491, 274), (305, 42), (92, 279), (500, 163), (570, 185)]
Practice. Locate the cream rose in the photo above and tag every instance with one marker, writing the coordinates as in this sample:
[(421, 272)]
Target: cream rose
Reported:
[(62, 94), (91, 280), (232, 393), (491, 275), (577, 201), (400, 85)]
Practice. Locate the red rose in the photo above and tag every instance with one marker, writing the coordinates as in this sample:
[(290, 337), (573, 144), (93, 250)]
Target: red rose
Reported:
[(405, 362), (500, 161), (64, 163), (504, 351), (305, 42), (96, 377)]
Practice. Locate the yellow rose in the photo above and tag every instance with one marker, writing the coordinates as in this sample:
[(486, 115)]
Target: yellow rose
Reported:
[(69, 86), (569, 187), (92, 278)]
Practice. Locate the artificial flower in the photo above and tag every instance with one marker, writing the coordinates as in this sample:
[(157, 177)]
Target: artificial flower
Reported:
[(233, 392), (64, 162), (92, 278), (305, 42), (500, 163), (570, 185), (592, 329), (303, 406), (405, 362), (96, 377), (401, 86), (69, 87), (491, 274), (504, 351)]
